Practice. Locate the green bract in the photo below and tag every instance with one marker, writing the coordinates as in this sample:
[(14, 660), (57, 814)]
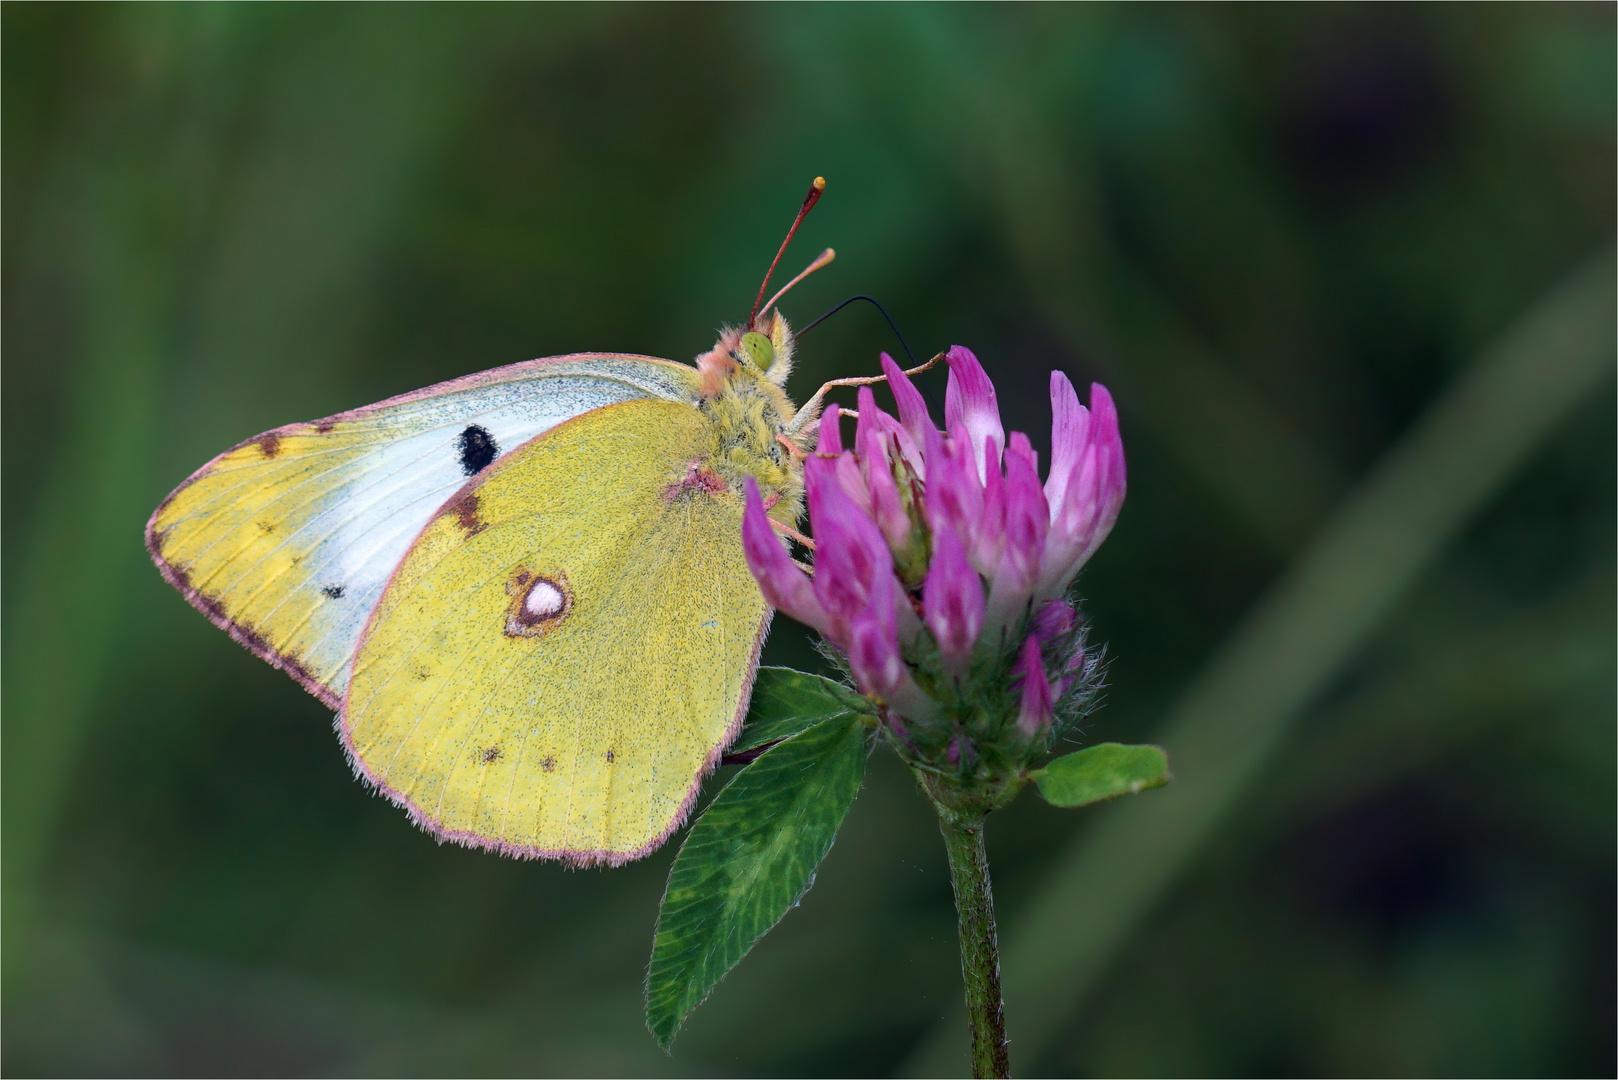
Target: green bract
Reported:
[(1100, 772)]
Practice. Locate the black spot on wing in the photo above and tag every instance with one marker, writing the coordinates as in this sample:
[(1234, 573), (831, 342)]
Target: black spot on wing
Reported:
[(478, 448), (332, 592)]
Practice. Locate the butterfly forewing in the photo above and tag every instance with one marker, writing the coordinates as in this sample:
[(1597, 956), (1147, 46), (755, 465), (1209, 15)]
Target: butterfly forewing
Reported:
[(558, 661), (287, 540)]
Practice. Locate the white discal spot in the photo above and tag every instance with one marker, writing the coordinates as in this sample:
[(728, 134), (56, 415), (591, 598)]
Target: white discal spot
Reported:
[(538, 603), (545, 600)]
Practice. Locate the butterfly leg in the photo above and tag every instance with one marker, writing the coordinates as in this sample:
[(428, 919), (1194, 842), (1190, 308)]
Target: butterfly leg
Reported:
[(792, 534), (810, 413), (792, 448)]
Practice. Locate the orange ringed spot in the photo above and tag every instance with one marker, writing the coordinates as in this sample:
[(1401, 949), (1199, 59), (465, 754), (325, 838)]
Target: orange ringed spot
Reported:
[(539, 602)]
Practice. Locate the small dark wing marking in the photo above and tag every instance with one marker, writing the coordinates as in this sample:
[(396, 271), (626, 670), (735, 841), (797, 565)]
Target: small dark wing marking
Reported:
[(477, 447), (465, 509)]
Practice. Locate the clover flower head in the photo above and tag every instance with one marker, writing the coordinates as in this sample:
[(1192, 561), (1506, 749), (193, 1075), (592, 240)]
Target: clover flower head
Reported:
[(943, 561)]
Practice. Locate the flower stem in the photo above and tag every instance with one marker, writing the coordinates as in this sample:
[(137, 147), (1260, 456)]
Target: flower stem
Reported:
[(980, 953)]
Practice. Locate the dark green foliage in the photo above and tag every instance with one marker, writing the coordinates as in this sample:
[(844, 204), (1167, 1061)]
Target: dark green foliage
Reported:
[(787, 701), (1101, 772), (748, 861)]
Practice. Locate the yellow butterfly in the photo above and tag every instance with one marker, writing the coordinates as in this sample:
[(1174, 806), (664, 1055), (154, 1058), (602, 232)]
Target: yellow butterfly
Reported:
[(523, 590)]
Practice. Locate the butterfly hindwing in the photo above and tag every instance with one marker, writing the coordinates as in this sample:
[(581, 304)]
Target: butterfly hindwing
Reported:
[(287, 540), (568, 645)]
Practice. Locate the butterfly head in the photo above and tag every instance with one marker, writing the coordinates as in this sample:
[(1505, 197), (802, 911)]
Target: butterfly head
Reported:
[(763, 347), (765, 352), (751, 362)]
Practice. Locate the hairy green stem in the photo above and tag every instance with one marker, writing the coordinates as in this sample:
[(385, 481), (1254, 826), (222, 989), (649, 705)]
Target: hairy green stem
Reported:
[(980, 953)]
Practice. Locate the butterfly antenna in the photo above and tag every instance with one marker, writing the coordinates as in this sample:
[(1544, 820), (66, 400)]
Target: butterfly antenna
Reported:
[(809, 201), (873, 301), (820, 260)]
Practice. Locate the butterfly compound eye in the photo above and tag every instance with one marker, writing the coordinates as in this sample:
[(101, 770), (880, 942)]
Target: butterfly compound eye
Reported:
[(758, 349)]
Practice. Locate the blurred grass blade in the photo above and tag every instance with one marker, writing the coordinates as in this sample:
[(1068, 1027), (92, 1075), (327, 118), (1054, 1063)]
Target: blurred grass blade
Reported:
[(113, 170), (1107, 310), (786, 702), (1296, 639), (146, 314), (747, 862), (1404, 721), (1101, 772)]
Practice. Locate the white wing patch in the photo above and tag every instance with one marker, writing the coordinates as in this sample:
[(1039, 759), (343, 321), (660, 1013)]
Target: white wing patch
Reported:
[(288, 540)]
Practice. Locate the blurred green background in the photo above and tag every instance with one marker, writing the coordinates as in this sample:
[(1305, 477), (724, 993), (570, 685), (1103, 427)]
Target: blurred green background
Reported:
[(1283, 235)]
